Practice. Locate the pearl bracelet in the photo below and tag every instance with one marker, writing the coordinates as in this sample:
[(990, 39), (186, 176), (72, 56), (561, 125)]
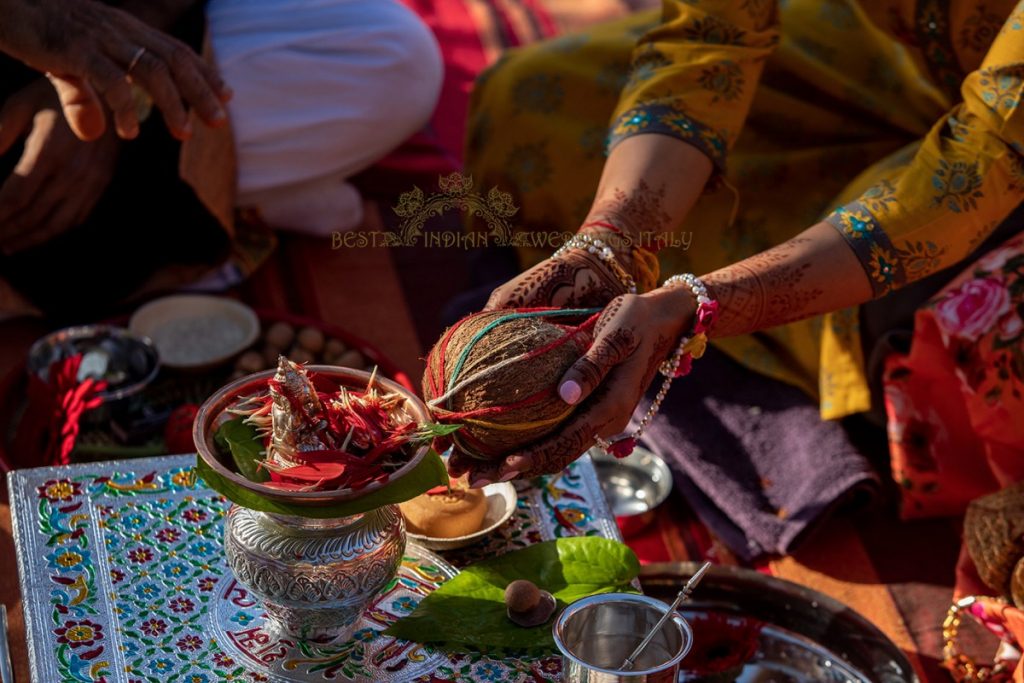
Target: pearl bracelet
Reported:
[(694, 345), (678, 364), (601, 250)]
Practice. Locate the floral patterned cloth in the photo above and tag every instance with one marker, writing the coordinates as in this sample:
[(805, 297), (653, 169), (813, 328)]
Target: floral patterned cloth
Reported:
[(954, 402), (898, 120)]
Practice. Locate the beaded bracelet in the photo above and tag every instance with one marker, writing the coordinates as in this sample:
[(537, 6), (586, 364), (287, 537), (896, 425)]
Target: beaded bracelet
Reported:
[(694, 345), (602, 251), (678, 364)]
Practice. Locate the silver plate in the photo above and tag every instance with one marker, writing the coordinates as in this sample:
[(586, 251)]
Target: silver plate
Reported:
[(367, 656), (798, 635)]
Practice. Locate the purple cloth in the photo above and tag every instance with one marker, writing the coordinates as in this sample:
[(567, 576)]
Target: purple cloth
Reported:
[(753, 457)]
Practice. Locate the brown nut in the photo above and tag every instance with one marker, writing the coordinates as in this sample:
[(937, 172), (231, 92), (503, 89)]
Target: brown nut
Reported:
[(528, 606), (521, 595)]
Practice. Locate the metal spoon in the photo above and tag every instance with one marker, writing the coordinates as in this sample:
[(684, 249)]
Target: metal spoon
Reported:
[(683, 595)]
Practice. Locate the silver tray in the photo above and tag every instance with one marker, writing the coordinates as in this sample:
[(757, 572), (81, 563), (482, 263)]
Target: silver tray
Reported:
[(792, 634)]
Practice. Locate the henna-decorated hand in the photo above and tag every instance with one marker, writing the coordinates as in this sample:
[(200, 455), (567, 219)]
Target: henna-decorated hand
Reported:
[(631, 339), (575, 279)]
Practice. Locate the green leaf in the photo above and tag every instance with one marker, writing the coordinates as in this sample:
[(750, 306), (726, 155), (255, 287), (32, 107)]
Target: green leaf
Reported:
[(430, 472), (246, 448), (469, 611), (433, 429)]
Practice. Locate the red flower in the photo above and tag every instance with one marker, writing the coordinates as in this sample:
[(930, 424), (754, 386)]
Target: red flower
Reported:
[(154, 627), (193, 515), (116, 576), (59, 490), (180, 605), (140, 555), (207, 584), (221, 659), (168, 535), (83, 633), (190, 643)]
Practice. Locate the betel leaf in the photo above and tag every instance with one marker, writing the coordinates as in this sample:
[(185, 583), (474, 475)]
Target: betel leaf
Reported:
[(246, 448), (435, 429), (430, 472), (469, 610)]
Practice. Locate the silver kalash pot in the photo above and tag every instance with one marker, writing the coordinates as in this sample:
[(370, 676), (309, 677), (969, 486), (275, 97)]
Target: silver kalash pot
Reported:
[(314, 577)]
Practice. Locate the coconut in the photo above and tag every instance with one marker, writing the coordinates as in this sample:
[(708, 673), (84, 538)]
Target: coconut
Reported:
[(497, 373)]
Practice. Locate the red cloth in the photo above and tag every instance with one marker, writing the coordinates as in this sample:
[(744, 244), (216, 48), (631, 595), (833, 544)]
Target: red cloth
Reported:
[(472, 35)]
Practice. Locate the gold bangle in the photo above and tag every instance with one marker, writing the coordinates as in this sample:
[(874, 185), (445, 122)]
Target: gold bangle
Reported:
[(961, 667)]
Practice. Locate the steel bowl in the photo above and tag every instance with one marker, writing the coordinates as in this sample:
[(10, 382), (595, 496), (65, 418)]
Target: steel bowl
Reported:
[(634, 486), (213, 413), (154, 318), (127, 361), (596, 634)]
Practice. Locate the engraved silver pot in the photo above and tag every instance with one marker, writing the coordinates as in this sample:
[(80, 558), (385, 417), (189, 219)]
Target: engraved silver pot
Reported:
[(314, 576)]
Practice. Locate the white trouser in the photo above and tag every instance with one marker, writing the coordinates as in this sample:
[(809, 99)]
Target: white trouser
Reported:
[(322, 90)]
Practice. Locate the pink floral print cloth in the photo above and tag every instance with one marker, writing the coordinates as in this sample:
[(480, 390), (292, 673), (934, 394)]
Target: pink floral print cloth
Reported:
[(954, 403)]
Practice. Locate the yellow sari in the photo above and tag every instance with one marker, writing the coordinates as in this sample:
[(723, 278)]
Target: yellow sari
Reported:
[(899, 122)]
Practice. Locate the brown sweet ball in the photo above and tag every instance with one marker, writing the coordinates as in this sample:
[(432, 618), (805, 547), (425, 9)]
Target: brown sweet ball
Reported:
[(301, 355), (311, 339), (334, 348), (496, 373), (350, 359), (280, 336), (250, 361)]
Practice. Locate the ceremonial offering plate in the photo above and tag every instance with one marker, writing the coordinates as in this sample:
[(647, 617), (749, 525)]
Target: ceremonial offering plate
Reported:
[(124, 580), (247, 635), (749, 627)]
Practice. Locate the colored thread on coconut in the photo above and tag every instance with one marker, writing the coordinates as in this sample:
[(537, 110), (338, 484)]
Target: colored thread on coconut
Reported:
[(478, 382)]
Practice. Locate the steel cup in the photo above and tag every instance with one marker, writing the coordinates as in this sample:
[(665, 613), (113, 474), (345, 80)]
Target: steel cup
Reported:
[(596, 634)]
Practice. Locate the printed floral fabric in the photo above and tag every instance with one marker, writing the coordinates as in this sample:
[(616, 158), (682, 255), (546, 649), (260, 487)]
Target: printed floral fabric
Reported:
[(693, 77), (809, 109), (955, 402), (966, 176)]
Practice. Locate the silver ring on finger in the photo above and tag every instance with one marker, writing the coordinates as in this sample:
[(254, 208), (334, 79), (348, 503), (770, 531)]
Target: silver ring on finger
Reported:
[(136, 58)]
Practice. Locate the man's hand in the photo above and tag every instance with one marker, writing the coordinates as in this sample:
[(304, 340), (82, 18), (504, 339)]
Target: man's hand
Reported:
[(58, 179), (93, 54)]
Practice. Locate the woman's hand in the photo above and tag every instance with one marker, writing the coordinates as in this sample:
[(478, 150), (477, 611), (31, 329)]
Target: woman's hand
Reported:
[(633, 336), (574, 279), (93, 53), (58, 178)]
